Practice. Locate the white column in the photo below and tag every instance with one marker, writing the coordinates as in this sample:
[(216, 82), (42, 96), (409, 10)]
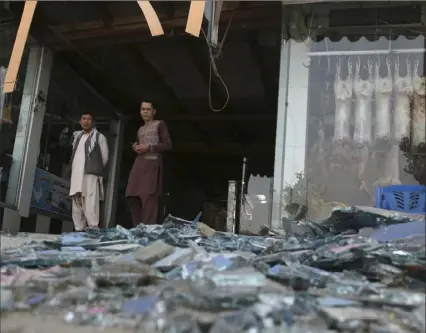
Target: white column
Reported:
[(28, 134), (297, 113), (115, 153), (290, 143), (280, 134)]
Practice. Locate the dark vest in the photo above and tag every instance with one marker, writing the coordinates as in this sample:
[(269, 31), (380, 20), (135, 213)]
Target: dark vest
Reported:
[(93, 164)]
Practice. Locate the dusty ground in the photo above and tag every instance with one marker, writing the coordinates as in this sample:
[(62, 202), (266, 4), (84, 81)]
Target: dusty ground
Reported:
[(21, 322), (8, 241), (24, 322)]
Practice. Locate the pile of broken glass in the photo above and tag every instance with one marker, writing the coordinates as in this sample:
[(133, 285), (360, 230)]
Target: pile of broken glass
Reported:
[(361, 270)]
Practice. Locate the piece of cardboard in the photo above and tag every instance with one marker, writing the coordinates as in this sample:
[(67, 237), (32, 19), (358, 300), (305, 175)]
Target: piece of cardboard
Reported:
[(195, 18), (18, 47), (151, 18)]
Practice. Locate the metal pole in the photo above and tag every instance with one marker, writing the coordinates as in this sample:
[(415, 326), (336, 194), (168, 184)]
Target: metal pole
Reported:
[(240, 198)]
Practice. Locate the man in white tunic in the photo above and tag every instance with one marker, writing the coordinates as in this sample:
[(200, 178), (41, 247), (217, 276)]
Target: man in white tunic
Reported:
[(88, 161)]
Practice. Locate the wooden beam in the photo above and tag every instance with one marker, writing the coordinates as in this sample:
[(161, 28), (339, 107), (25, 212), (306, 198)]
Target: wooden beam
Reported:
[(130, 25), (250, 11), (145, 36), (19, 45)]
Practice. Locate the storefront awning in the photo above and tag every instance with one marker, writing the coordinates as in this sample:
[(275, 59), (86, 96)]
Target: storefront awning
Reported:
[(368, 43)]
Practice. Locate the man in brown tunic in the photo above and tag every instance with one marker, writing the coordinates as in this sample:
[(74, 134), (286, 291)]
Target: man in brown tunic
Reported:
[(145, 181)]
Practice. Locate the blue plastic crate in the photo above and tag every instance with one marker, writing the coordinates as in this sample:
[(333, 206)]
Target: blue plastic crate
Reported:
[(402, 198)]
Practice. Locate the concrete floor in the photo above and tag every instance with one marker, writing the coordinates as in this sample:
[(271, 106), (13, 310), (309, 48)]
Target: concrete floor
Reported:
[(23, 322), (8, 241), (26, 322)]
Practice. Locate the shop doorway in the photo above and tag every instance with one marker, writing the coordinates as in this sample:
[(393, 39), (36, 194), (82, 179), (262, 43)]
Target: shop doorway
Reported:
[(189, 81)]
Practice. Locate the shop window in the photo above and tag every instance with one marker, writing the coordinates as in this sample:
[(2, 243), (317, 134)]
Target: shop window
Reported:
[(355, 120), (9, 107)]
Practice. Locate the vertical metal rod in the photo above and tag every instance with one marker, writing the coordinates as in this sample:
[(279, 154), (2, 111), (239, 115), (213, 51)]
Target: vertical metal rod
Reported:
[(243, 175), (239, 196), (237, 207), (210, 4)]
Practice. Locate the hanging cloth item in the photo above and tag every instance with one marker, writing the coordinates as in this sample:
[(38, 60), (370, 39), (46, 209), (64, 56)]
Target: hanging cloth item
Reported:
[(343, 99), (383, 95), (363, 112), (403, 88)]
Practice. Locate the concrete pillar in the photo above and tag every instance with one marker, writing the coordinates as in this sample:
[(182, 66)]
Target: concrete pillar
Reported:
[(290, 143), (280, 134), (28, 134), (115, 153)]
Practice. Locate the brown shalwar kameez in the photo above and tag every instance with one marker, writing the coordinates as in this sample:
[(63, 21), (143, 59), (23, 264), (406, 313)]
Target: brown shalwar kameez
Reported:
[(146, 178)]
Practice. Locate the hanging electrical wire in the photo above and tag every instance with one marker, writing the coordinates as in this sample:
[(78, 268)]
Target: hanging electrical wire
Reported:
[(213, 68)]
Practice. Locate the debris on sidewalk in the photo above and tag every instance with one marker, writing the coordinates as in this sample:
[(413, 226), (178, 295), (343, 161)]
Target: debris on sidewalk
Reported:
[(184, 276)]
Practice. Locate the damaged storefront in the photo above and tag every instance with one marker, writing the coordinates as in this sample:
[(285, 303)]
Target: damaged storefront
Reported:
[(351, 114), (37, 123), (10, 111), (348, 120), (209, 97), (284, 141)]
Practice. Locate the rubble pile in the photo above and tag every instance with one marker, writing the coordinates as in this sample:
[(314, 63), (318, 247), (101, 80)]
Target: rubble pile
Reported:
[(185, 277)]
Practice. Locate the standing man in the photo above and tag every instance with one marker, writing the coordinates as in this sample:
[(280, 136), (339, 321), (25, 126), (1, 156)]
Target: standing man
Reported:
[(88, 161), (146, 177)]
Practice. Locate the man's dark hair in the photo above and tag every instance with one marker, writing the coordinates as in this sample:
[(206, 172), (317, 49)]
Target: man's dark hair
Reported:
[(150, 101), (88, 113)]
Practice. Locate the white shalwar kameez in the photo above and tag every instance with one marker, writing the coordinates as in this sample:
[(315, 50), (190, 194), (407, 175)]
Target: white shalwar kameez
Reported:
[(86, 190)]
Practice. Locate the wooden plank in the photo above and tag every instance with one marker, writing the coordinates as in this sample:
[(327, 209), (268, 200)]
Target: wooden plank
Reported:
[(18, 47), (135, 27), (195, 17), (178, 20), (151, 17)]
